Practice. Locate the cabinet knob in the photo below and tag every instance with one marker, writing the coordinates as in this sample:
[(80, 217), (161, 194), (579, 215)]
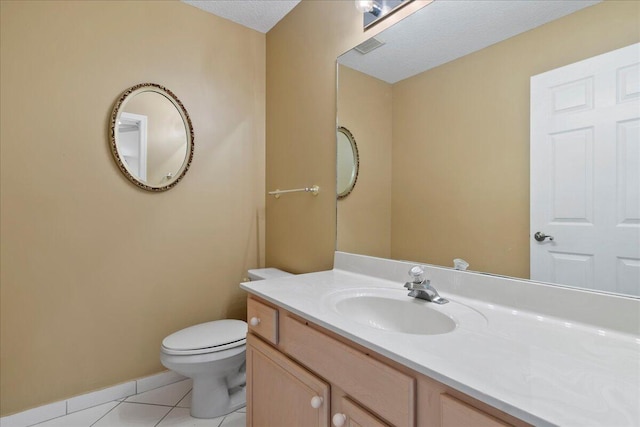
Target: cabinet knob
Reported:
[(255, 321), (316, 402), (339, 420)]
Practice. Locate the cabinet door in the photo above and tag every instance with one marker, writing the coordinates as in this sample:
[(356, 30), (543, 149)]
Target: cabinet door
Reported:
[(458, 414), (353, 415), (280, 393)]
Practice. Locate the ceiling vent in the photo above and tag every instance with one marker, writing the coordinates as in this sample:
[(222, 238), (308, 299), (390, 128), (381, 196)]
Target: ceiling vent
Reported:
[(369, 45)]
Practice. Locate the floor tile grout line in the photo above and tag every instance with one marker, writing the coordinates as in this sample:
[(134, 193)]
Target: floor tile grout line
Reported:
[(67, 414), (42, 422), (165, 416), (105, 414), (174, 407), (166, 406), (149, 404), (182, 398)]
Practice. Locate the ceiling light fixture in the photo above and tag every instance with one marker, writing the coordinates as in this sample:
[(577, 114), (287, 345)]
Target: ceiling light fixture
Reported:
[(369, 6)]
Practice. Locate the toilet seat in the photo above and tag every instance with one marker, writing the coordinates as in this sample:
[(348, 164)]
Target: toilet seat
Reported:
[(206, 337)]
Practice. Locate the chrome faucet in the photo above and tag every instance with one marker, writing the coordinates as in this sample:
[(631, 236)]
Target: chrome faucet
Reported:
[(421, 288)]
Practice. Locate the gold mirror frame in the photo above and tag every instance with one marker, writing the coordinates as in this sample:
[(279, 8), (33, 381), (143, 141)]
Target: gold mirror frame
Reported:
[(113, 128), (356, 161)]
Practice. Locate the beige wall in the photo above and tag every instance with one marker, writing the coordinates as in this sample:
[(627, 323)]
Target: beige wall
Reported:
[(364, 216), (95, 272), (465, 126), (301, 125)]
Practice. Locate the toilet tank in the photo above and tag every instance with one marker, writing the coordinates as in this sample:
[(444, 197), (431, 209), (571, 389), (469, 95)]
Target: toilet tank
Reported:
[(267, 273)]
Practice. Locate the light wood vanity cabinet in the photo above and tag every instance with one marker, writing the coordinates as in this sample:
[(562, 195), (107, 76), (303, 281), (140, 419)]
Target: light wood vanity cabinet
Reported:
[(299, 374)]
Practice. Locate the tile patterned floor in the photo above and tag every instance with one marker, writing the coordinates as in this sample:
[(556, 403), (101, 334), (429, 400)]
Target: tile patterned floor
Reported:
[(166, 406)]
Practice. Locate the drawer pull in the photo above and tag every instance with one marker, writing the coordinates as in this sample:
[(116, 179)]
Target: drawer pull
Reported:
[(339, 420), (316, 402), (255, 321)]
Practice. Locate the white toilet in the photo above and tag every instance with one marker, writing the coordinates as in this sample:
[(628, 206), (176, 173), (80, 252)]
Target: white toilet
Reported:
[(213, 355)]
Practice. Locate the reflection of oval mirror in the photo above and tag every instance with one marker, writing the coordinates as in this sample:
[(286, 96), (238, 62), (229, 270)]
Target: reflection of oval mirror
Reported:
[(151, 137), (348, 162)]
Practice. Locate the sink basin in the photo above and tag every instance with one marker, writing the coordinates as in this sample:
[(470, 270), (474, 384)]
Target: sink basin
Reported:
[(392, 310)]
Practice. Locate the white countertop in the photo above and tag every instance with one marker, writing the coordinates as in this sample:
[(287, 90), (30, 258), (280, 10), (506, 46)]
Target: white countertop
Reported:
[(544, 370)]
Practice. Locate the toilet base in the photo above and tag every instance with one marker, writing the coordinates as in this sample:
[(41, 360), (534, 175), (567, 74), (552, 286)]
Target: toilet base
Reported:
[(212, 398)]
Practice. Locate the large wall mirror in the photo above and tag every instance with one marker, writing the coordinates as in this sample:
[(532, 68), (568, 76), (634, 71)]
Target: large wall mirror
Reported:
[(151, 137), (442, 114)]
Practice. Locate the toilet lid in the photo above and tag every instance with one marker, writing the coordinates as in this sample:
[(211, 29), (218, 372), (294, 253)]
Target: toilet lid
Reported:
[(216, 335)]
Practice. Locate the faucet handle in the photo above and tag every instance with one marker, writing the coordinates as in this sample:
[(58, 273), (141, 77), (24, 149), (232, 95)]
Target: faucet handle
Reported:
[(417, 274)]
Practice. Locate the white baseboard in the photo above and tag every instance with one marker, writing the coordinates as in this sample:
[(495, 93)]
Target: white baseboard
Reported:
[(58, 409), (35, 415), (99, 397), (157, 380)]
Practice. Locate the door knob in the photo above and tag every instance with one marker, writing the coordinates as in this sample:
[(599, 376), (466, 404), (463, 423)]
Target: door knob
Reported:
[(540, 236), (255, 321)]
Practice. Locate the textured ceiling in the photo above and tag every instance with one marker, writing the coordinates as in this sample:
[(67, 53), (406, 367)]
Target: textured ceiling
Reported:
[(438, 33), (260, 15), (449, 29)]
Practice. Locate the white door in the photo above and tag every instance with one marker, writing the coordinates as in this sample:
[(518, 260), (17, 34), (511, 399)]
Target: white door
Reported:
[(132, 143), (585, 173)]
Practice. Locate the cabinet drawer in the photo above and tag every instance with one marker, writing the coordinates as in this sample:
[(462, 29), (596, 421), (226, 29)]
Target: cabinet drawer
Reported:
[(455, 413), (382, 389), (263, 320)]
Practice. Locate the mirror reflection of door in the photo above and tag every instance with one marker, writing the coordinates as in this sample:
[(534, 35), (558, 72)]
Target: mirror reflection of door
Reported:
[(167, 139), (585, 173), (132, 143)]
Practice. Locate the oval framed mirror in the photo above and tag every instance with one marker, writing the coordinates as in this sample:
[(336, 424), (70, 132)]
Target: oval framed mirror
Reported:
[(151, 137), (348, 162)]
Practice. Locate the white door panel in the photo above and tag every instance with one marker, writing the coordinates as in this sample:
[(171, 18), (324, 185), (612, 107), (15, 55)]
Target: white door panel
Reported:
[(585, 173)]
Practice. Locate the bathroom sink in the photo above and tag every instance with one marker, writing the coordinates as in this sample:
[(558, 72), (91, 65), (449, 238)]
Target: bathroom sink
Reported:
[(392, 310)]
